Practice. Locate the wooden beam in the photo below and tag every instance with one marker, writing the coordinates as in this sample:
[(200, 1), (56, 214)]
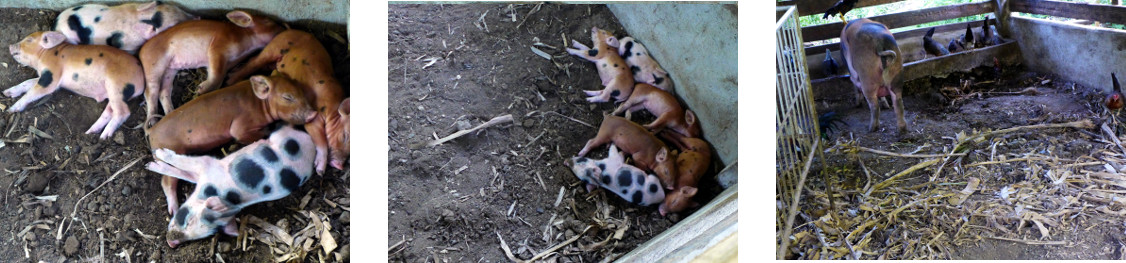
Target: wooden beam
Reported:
[(897, 20), (818, 49), (818, 7), (1094, 12)]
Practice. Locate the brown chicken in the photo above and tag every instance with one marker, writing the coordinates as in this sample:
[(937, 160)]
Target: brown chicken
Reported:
[(1114, 99)]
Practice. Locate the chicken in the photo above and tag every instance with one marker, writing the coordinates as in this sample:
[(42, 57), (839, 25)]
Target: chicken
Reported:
[(956, 44), (933, 47), (830, 65), (968, 38), (1114, 99), (841, 7)]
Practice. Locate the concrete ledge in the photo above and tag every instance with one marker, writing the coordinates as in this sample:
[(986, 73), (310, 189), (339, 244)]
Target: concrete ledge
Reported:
[(335, 11), (698, 45), (1083, 54)]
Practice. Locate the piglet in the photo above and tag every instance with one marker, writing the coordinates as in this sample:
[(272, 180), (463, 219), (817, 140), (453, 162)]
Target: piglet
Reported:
[(612, 173), (239, 113), (874, 63), (663, 105), (217, 45), (691, 163), (125, 26), (647, 151), (266, 170), (644, 68), (94, 71), (300, 56), (612, 68)]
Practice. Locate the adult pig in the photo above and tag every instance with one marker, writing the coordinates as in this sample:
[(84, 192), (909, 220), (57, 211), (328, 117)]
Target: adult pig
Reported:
[(874, 62), (240, 113), (663, 105), (612, 68), (266, 170), (647, 151), (613, 174), (125, 26), (300, 56), (217, 45), (644, 68), (95, 71)]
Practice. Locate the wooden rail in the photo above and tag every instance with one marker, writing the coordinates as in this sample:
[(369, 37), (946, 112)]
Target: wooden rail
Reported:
[(897, 20), (818, 7), (818, 49), (1094, 12)]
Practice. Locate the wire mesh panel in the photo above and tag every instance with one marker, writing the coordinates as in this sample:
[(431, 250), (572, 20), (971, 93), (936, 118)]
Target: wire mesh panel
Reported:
[(795, 123)]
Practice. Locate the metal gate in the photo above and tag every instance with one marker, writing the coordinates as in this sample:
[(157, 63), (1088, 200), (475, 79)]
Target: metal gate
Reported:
[(796, 126)]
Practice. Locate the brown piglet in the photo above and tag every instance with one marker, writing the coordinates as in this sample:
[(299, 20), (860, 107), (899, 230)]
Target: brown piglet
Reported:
[(217, 45), (612, 69), (240, 112), (300, 56), (691, 163), (96, 71), (648, 152), (663, 105)]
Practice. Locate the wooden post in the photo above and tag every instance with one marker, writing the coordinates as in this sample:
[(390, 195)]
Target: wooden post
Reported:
[(1002, 13)]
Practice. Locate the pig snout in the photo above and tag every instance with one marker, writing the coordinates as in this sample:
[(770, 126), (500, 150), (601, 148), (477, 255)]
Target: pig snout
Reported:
[(310, 116), (338, 164), (663, 209), (174, 238)]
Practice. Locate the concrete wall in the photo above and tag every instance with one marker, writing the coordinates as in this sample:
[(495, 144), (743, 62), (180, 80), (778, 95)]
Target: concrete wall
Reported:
[(697, 44), (1082, 54), (335, 11)]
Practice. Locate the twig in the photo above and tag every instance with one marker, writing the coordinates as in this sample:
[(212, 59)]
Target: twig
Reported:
[(907, 155), (494, 121), (59, 236), (794, 203), (1007, 161), (507, 251), (560, 245), (573, 119), (1030, 242), (895, 177), (1114, 138)]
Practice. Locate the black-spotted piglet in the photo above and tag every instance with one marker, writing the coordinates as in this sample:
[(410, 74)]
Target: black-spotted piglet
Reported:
[(612, 173), (125, 26), (645, 69), (263, 171)]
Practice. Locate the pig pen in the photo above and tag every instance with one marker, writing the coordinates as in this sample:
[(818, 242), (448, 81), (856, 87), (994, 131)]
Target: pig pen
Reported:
[(110, 208), (504, 189), (1012, 160)]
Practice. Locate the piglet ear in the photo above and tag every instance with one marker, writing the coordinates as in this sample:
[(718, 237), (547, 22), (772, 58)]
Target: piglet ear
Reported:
[(689, 117), (240, 18), (147, 6), (231, 228), (262, 86), (688, 191), (613, 41), (663, 155), (215, 204), (345, 107), (51, 39)]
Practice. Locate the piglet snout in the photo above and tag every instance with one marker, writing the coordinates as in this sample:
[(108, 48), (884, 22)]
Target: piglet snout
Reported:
[(338, 164), (15, 50), (173, 243), (312, 115)]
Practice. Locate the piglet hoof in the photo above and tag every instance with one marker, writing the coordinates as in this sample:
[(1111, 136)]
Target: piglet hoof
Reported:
[(162, 153)]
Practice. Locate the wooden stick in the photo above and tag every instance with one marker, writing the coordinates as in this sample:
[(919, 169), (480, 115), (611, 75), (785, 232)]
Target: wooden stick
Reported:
[(1114, 138), (891, 179), (907, 155), (59, 236), (794, 203), (1029, 242), (494, 121), (573, 119), (560, 245)]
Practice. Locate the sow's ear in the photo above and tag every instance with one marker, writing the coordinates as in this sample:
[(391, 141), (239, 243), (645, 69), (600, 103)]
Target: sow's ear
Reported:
[(262, 86)]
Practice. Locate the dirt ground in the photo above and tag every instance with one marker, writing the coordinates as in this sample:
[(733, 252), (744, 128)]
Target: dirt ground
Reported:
[(67, 165), (1021, 209), (459, 200)]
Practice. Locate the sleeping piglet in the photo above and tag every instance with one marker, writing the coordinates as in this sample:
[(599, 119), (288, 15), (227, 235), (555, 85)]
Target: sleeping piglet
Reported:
[(266, 170), (95, 71), (663, 105), (692, 162), (645, 69), (125, 26), (874, 62), (217, 45), (612, 173), (300, 56), (647, 151), (237, 113), (611, 68)]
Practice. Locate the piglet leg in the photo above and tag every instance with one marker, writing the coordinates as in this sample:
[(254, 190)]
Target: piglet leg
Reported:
[(35, 93), (117, 117), (216, 70), (102, 120), (168, 184), (18, 90)]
